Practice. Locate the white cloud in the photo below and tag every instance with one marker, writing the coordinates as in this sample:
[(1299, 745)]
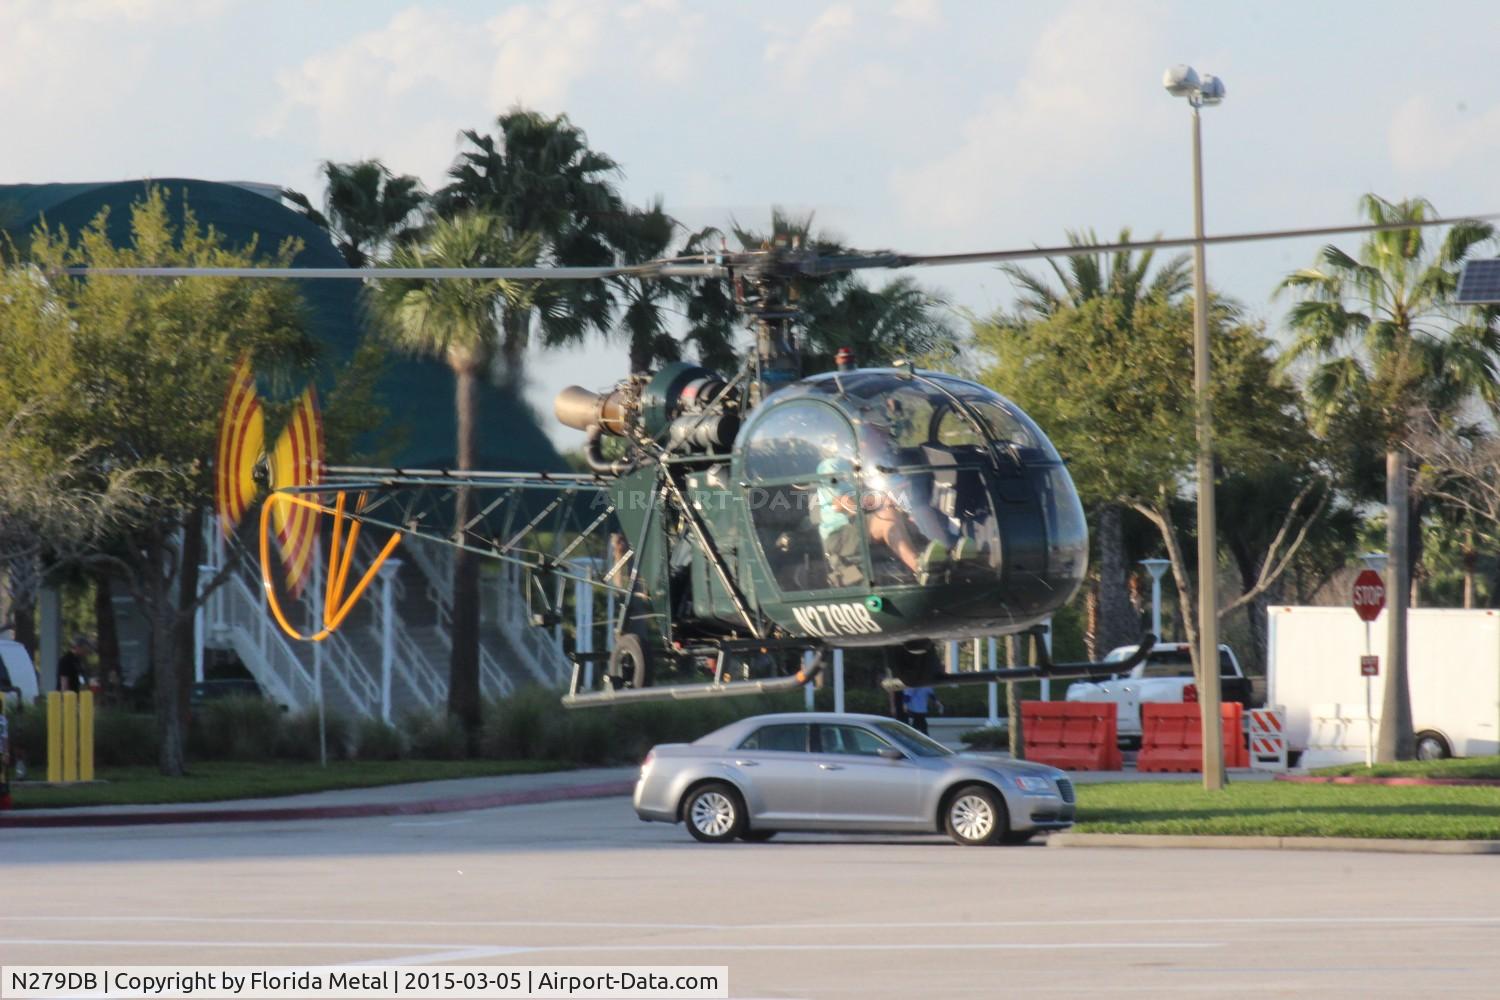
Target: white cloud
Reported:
[(925, 12), (1067, 114), (801, 48), (404, 90)]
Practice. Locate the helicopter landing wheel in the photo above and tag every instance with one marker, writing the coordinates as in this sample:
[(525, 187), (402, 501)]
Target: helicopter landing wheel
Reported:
[(629, 664)]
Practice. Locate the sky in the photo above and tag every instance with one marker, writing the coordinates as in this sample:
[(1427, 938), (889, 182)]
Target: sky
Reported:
[(920, 125)]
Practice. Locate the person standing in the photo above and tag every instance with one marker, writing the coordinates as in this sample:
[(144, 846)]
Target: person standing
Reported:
[(921, 702), (70, 672)]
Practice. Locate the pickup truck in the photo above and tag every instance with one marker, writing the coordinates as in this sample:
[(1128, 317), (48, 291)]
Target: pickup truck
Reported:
[(1166, 675)]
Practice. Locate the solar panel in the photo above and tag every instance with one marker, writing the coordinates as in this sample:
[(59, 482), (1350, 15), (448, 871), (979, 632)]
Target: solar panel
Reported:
[(1479, 283)]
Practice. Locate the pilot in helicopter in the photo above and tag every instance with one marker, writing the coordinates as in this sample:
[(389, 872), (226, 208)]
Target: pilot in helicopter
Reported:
[(895, 516)]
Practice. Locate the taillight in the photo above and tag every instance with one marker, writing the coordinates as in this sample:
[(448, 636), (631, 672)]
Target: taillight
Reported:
[(650, 756), (1190, 692)]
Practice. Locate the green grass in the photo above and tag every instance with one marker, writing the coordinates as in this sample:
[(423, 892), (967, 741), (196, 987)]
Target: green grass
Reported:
[(1281, 809), (1463, 767), (213, 781)]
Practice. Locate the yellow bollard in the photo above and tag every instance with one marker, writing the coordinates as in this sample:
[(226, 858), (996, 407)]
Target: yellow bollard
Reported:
[(86, 735), (54, 736), (70, 736)]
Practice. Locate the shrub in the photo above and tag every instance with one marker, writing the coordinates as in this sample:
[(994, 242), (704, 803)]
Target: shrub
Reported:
[(120, 738), (533, 725), (377, 740), (28, 739), (988, 738), (520, 727), (436, 735), (235, 729), (297, 736)]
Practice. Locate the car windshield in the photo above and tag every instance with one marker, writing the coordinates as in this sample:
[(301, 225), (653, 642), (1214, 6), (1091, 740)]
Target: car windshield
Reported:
[(911, 740)]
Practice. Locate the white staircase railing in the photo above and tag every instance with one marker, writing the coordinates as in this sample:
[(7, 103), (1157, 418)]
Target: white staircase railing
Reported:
[(537, 654), (427, 681)]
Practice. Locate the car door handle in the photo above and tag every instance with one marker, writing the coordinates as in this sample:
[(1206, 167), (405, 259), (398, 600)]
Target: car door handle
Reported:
[(832, 767), (747, 763)]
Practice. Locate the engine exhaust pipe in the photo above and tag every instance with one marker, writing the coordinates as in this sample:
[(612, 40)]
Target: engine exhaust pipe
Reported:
[(578, 408)]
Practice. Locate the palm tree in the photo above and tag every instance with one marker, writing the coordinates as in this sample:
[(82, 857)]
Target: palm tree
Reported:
[(458, 321), (1122, 278), (643, 235), (539, 175), (899, 320), (1387, 344), (366, 209)]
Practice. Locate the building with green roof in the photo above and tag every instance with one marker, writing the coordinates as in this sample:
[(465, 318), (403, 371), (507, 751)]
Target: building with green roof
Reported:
[(416, 393)]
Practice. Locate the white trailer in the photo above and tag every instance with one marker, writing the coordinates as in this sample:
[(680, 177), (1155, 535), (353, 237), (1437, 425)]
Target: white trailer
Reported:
[(1453, 667)]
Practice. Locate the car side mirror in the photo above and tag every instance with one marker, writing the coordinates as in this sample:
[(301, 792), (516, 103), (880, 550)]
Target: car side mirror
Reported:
[(891, 753)]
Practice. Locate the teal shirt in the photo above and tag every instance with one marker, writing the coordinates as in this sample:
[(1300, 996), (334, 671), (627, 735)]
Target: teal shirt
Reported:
[(830, 517)]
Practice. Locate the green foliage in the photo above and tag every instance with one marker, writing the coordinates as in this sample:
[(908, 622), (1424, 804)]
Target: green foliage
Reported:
[(1112, 384), (987, 738), (1378, 328), (215, 781), (455, 320), (377, 740), (366, 209), (435, 736), (296, 737), (138, 380), (532, 724), (1485, 768), (1282, 809), (235, 729), (121, 738)]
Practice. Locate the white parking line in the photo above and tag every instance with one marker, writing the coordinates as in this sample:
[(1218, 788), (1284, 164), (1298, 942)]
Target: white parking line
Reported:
[(471, 950), (1338, 919)]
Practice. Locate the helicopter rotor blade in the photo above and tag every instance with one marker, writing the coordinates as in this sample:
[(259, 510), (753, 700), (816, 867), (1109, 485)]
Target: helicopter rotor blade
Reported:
[(654, 269), (1129, 246), (802, 263)]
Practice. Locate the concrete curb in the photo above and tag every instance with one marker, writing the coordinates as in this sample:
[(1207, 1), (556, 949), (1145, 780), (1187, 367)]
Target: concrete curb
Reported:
[(465, 803), (1253, 843), (1360, 779)]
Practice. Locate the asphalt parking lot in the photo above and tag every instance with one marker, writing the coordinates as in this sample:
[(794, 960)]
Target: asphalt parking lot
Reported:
[(581, 883)]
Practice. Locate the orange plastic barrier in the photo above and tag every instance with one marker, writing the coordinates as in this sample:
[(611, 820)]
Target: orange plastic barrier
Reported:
[(1073, 735), (1172, 736)]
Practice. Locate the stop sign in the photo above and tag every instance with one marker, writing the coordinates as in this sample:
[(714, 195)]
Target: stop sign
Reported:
[(1369, 595)]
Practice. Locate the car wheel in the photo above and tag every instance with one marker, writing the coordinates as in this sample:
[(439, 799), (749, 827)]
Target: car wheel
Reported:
[(1432, 746), (629, 663), (757, 836), (714, 813), (1019, 836), (975, 816)]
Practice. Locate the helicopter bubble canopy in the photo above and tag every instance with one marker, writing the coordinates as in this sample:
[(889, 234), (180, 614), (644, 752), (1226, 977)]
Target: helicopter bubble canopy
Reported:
[(890, 478)]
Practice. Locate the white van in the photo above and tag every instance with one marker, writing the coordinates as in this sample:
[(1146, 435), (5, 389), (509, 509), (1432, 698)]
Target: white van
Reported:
[(18, 675), (1453, 670)]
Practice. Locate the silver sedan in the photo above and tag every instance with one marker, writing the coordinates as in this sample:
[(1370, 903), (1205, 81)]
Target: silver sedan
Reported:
[(830, 772)]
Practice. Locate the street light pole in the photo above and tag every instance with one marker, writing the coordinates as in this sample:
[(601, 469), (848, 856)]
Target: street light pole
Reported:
[(1156, 567), (1183, 81)]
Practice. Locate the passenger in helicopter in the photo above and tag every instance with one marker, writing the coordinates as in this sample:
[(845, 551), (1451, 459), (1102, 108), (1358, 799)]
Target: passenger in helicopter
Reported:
[(891, 517)]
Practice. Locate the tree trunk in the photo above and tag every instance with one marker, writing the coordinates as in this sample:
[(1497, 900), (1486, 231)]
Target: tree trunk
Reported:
[(1118, 623), (187, 594), (463, 666), (1395, 736), (515, 327), (1015, 733), (1255, 612), (1470, 557), (1091, 635), (162, 614), (1416, 548), (107, 631)]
